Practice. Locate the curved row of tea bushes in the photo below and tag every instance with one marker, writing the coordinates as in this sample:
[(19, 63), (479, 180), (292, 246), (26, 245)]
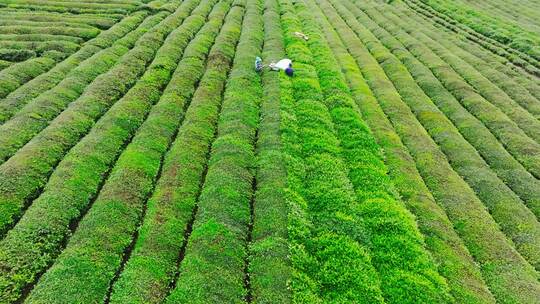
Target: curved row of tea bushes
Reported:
[(16, 22), (490, 92), (527, 122), (508, 210), (23, 178), (521, 15), (100, 22), (302, 288), (19, 73), (212, 269), (377, 203), (76, 5), (16, 55), (434, 37), (330, 263), (453, 259), (41, 47), (60, 7), (501, 162), (132, 27), (269, 261), (39, 236), (40, 37), (82, 32), (4, 64), (86, 268), (515, 140), (152, 265), (84, 79), (506, 33), (517, 58), (501, 64), (506, 272)]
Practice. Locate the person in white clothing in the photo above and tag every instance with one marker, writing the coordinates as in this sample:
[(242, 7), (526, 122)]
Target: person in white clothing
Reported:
[(283, 64)]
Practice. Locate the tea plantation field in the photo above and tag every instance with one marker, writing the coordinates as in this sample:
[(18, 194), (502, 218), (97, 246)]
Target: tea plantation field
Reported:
[(144, 159)]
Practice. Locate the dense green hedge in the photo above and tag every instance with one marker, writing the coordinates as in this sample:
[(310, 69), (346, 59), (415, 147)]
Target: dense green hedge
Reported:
[(433, 36), (23, 22), (81, 81), (40, 37), (31, 176), (508, 34), (269, 263), (330, 262), (4, 64), (127, 27), (378, 205), (454, 261), (517, 58), (48, 220), (153, 263), (490, 248), (100, 22), (16, 55), (508, 210), (98, 246), (83, 32), (75, 8), (524, 148), (501, 162), (41, 47), (19, 73), (501, 64), (213, 268), (74, 5)]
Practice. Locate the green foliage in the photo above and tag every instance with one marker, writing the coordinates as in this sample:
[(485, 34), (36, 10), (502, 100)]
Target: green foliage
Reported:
[(83, 32), (321, 192), (77, 178), (153, 262), (472, 222), (117, 210), (72, 7), (506, 208), (490, 26), (520, 89), (19, 73), (269, 264), (516, 57), (212, 269), (100, 22), (389, 226), (46, 81), (16, 55), (32, 176), (4, 64), (503, 204)]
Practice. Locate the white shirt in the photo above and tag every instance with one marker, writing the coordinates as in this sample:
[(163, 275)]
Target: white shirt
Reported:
[(283, 64)]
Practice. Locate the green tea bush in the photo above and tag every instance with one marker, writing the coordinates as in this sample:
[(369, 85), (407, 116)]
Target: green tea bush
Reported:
[(130, 27), (453, 259), (487, 244), (373, 189), (118, 209), (213, 267), (153, 263), (72, 183), (19, 73)]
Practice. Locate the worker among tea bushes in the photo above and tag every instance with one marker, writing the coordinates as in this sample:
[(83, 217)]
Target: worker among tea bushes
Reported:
[(284, 64)]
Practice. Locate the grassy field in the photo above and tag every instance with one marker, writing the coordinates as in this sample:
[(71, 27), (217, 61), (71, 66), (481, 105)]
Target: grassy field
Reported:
[(143, 159)]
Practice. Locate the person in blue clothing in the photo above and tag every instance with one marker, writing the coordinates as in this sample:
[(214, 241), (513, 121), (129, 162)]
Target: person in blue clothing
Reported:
[(284, 64)]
